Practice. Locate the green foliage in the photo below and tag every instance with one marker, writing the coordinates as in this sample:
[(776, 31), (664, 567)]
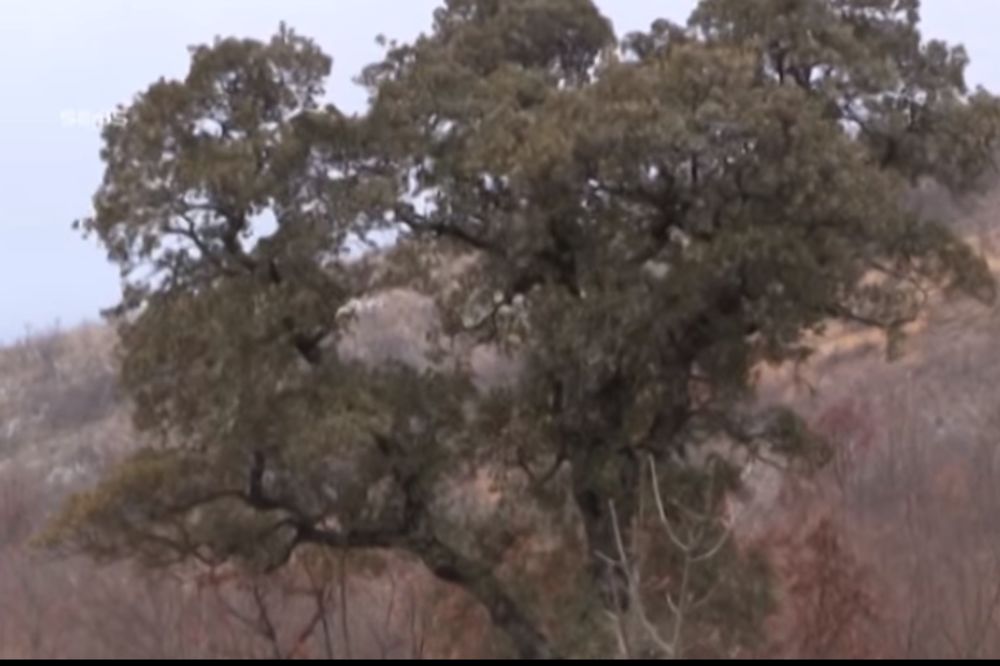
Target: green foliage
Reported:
[(650, 218)]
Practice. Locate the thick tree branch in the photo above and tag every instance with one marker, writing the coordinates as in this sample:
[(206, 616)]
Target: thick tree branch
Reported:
[(420, 224)]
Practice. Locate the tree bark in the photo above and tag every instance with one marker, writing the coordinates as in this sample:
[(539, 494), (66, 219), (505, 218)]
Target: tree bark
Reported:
[(482, 584), (600, 476)]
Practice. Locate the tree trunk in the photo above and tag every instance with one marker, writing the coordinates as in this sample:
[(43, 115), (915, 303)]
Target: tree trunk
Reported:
[(482, 584), (602, 476)]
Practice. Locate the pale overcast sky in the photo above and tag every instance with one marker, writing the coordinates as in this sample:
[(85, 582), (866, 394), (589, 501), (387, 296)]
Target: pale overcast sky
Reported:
[(66, 56)]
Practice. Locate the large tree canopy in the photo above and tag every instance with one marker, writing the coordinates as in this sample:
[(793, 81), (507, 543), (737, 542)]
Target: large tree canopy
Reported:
[(641, 221)]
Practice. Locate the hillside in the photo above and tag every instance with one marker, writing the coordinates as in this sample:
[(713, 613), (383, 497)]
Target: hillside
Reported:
[(902, 517), (62, 423)]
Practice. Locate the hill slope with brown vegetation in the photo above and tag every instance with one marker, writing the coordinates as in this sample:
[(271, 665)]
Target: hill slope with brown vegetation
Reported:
[(62, 423), (892, 550)]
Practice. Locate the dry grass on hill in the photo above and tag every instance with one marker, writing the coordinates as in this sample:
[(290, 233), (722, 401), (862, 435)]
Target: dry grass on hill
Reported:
[(893, 550)]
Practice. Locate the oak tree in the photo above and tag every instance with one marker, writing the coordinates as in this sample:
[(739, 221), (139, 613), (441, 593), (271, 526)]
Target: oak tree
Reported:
[(640, 220)]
